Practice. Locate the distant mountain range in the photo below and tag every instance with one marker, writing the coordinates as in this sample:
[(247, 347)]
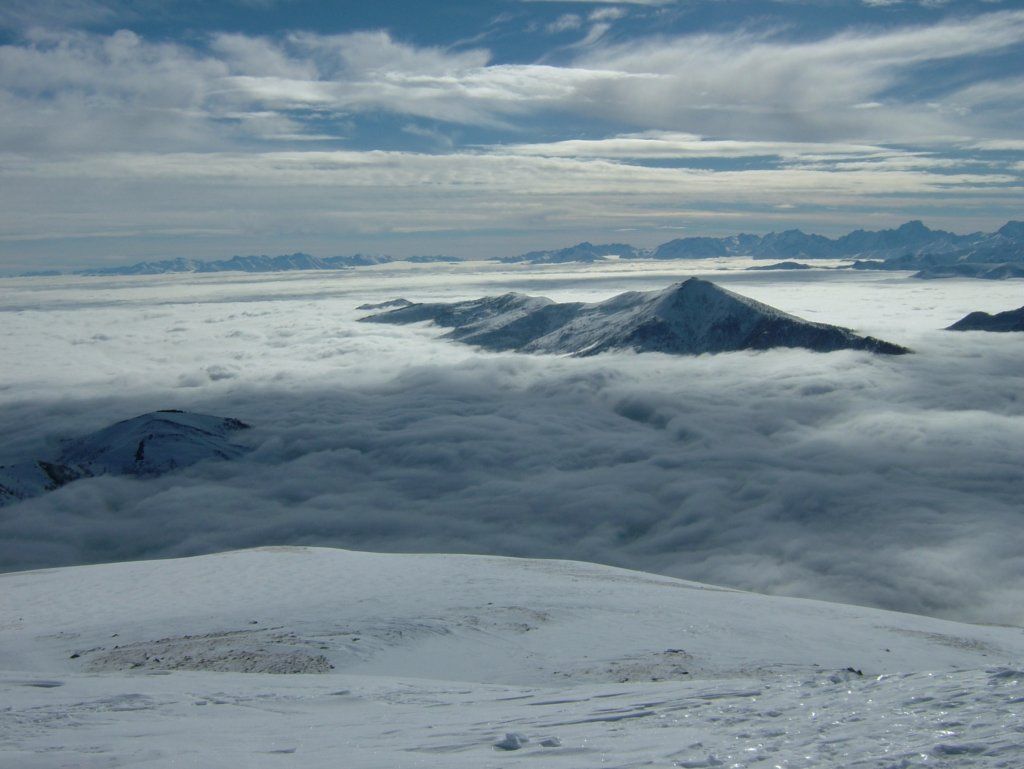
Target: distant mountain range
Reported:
[(912, 246), (146, 445), (687, 318), (283, 263), (780, 266), (982, 270), (581, 252)]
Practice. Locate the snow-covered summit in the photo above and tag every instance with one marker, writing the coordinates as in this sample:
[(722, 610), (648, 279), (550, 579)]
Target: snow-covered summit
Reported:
[(687, 318), (451, 661), (146, 445), (154, 443), (455, 617)]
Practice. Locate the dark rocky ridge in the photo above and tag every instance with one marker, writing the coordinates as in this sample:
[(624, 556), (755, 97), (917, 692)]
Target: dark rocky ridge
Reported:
[(1011, 320)]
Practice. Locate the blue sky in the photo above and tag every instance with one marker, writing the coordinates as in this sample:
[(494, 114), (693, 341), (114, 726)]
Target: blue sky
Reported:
[(138, 130)]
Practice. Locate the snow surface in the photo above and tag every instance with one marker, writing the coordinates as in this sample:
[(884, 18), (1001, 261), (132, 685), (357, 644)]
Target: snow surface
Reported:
[(146, 445), (155, 443), (687, 318), (448, 661)]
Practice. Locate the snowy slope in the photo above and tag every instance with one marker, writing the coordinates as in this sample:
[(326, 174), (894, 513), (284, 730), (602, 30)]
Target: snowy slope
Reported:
[(431, 660), (146, 445), (154, 443), (687, 318)]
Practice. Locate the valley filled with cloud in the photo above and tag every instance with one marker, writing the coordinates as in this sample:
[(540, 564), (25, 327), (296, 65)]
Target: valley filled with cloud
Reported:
[(879, 480)]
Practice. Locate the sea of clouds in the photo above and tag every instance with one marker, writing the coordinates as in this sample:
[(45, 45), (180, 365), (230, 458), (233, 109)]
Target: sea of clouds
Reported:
[(889, 481)]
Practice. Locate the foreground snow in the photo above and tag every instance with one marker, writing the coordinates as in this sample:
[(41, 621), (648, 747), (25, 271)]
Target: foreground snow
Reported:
[(433, 660)]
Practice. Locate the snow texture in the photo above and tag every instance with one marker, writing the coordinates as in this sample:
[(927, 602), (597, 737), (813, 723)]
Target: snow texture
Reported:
[(146, 445), (458, 661)]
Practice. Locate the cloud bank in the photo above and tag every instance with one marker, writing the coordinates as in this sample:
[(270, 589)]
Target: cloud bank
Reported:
[(842, 476)]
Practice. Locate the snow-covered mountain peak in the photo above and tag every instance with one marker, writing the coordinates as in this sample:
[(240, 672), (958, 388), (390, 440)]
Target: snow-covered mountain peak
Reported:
[(448, 661), (687, 318), (154, 443), (461, 617), (146, 445), (1012, 230)]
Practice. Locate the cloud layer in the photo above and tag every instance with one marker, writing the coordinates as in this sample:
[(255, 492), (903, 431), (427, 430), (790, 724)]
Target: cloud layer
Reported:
[(115, 141), (842, 476)]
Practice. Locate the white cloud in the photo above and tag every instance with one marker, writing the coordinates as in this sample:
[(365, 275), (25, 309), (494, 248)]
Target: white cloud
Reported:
[(842, 476), (999, 145), (121, 90), (607, 14), (564, 22), (772, 88), (595, 33), (668, 145), (338, 192), (162, 122)]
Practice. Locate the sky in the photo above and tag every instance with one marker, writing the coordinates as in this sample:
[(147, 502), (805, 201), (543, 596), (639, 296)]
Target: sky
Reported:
[(134, 130)]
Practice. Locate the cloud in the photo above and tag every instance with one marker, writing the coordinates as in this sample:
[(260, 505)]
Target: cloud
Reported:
[(840, 476), (999, 145), (669, 145), (564, 22), (359, 194), (172, 130), (607, 14), (743, 86), (595, 33), (775, 88)]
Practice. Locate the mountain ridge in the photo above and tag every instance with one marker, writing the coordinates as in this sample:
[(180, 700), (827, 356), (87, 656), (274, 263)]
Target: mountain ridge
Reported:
[(147, 445), (688, 318), (911, 246)]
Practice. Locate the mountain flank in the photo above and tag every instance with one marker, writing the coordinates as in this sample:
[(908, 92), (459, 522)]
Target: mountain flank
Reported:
[(146, 445), (1011, 320), (688, 318)]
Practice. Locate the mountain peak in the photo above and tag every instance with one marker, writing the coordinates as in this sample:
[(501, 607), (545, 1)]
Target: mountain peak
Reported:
[(688, 318), (913, 227), (1013, 230), (146, 445)]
